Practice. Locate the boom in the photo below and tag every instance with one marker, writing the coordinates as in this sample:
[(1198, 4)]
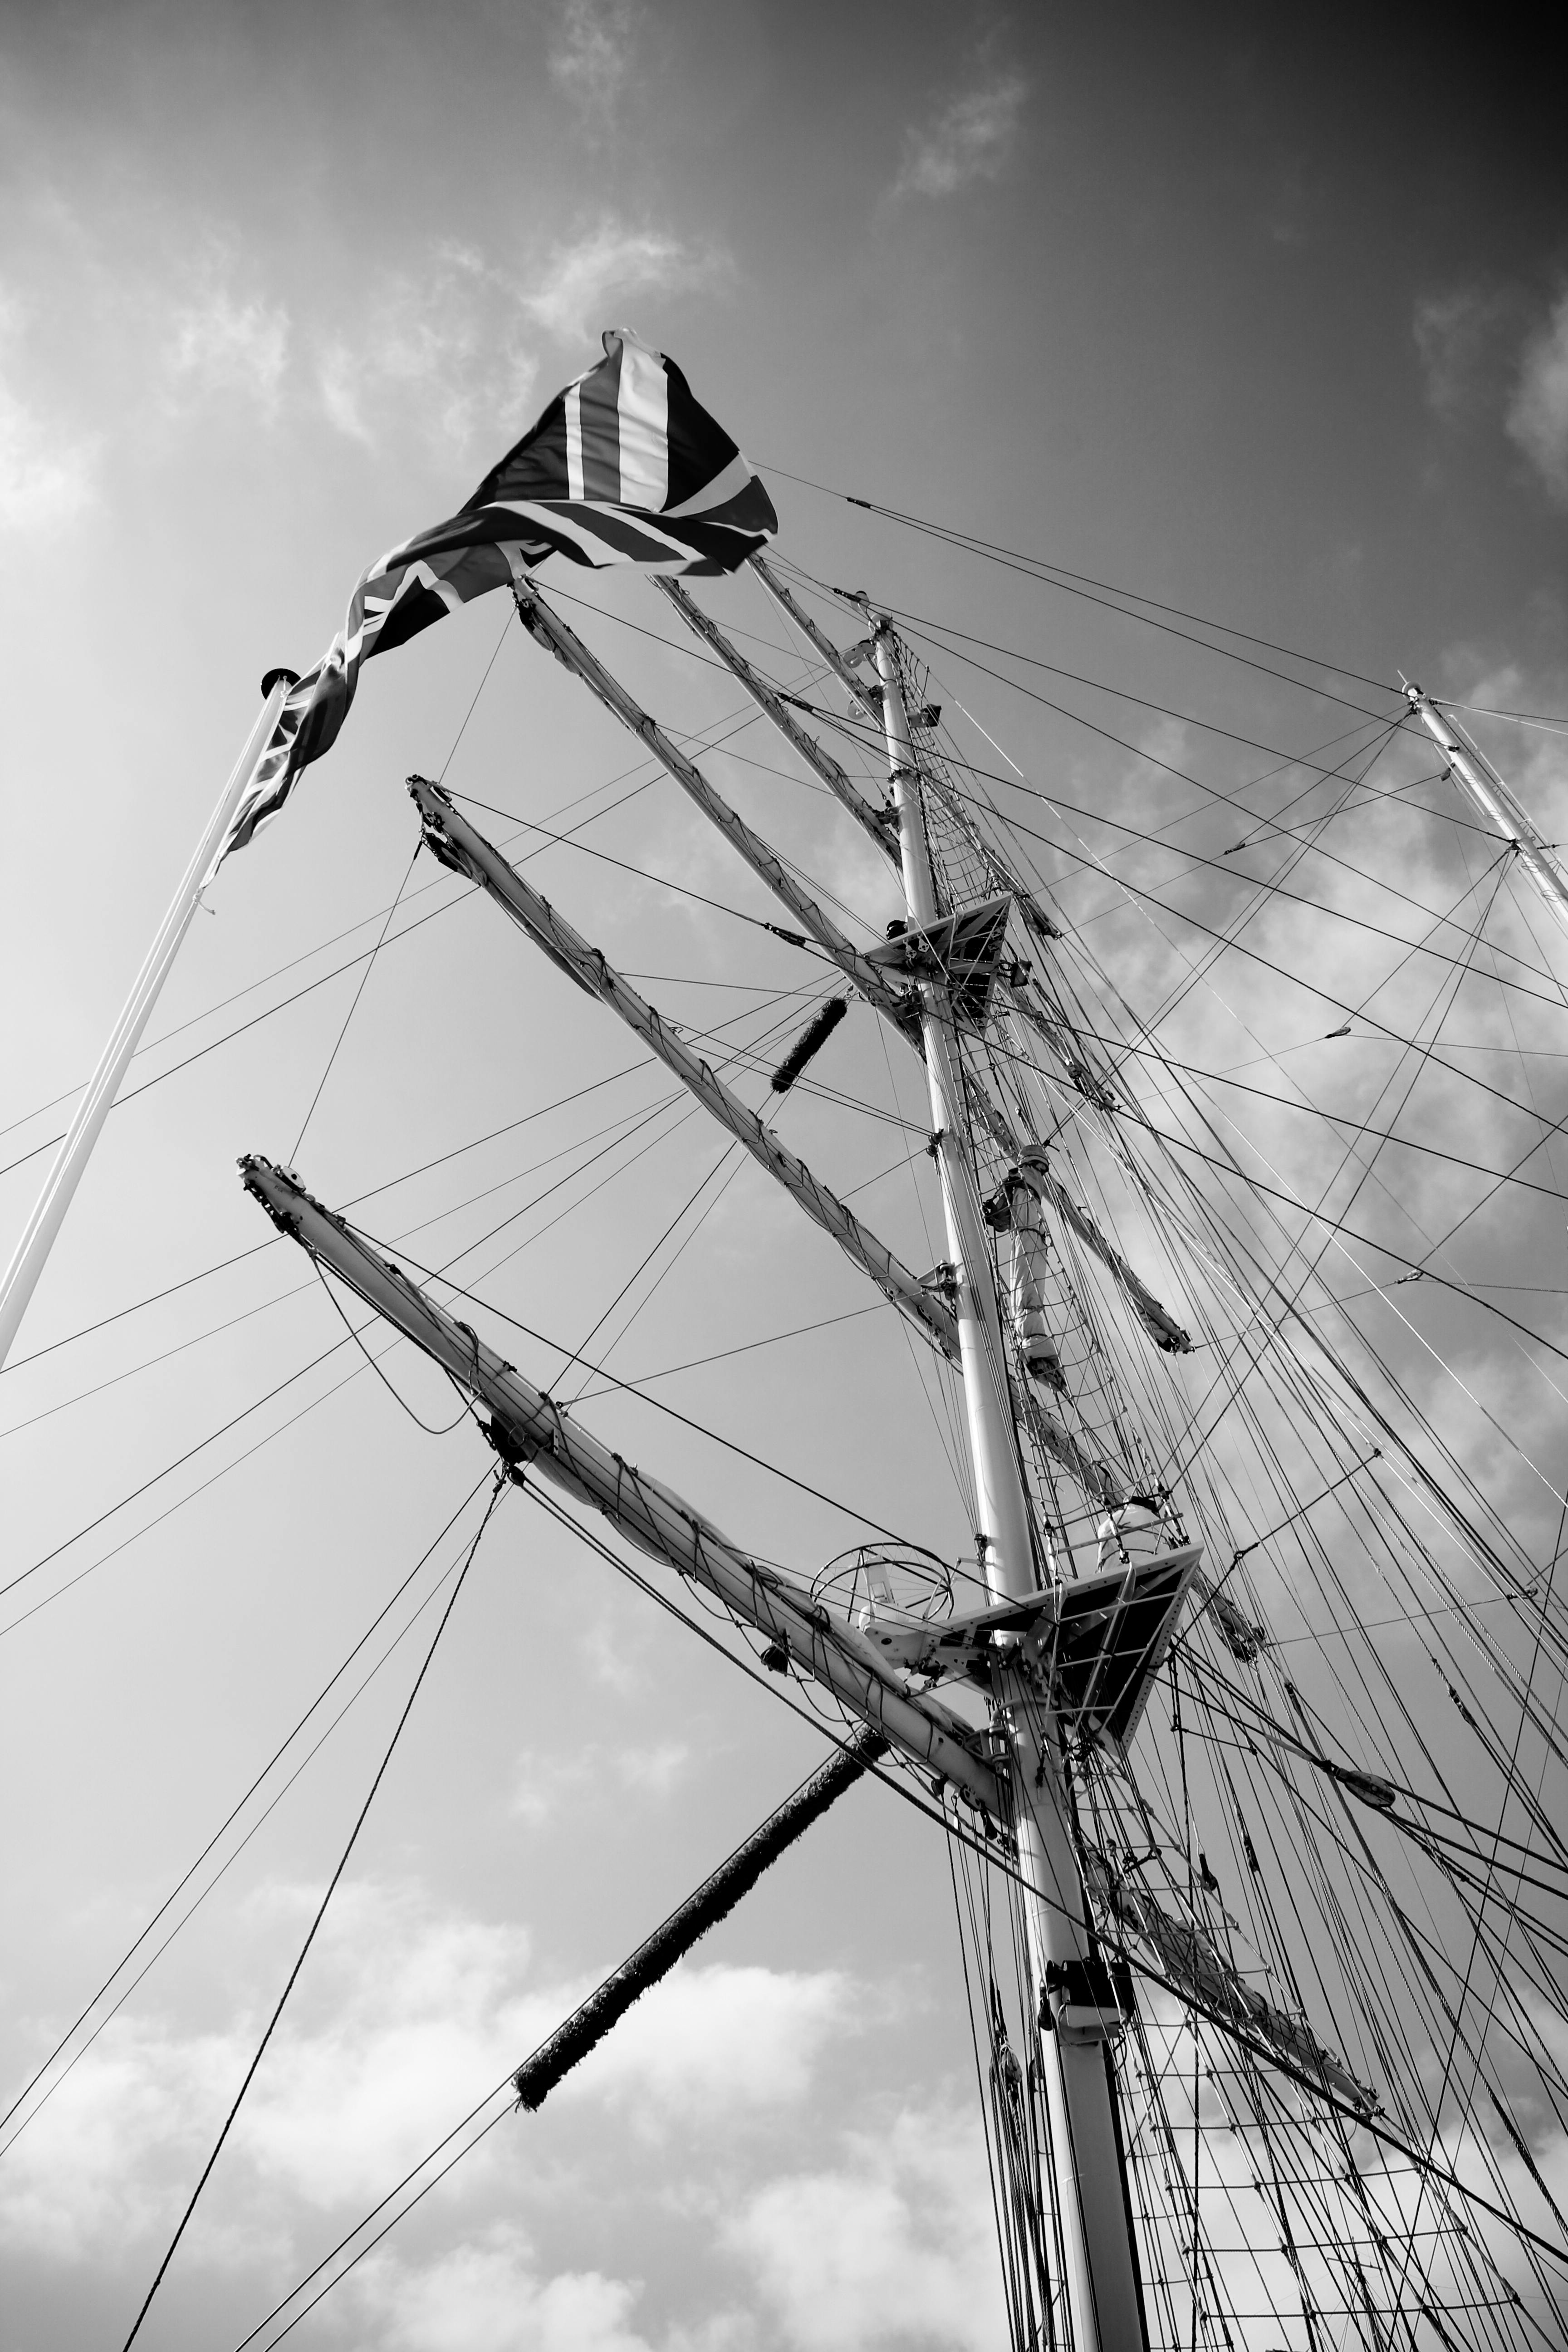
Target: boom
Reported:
[(530, 1429), (456, 844)]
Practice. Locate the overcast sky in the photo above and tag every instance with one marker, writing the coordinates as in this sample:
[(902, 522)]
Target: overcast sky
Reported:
[(1269, 326)]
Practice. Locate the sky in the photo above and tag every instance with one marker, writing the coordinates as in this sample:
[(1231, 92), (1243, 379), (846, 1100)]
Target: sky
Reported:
[(1267, 322)]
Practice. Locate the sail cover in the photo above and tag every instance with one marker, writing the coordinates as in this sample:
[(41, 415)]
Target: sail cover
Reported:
[(624, 466)]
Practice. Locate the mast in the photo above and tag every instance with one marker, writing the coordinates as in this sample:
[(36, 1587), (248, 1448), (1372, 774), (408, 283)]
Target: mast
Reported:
[(1070, 1991), (32, 1251), (1496, 802)]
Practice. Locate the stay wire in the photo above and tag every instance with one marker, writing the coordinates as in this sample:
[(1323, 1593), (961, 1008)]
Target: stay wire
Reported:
[(641, 872), (315, 1923), (230, 1323), (177, 1889), (1349, 1158), (510, 616), (643, 1304), (359, 992), (575, 1358), (403, 886), (1197, 861), (954, 1832), (942, 634), (152, 1299), (1302, 1103), (1078, 583), (1421, 1266), (1136, 892), (401, 2215), (597, 1545), (1001, 1862), (259, 1402), (256, 1404), (169, 1467), (736, 722), (629, 1388), (440, 1273)]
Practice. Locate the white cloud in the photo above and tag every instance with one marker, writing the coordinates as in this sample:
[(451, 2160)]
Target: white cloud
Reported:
[(92, 2173), (591, 57), (403, 2011), (970, 140), (717, 2041), (1454, 332), (895, 2244), (407, 2014), (449, 349), (542, 1780), (442, 347), (45, 481), (488, 2298), (1538, 414), (419, 2011), (655, 1770), (222, 346), (569, 299)]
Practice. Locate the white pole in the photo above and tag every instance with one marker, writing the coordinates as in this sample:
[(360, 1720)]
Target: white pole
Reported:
[(1104, 2295), (38, 1239), (1497, 803)]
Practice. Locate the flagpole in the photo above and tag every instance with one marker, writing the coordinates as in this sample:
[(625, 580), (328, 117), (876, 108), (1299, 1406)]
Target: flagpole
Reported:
[(38, 1239)]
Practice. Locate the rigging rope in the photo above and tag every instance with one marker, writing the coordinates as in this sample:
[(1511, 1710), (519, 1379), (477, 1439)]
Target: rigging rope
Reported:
[(224, 1826), (353, 1004), (1053, 575), (293, 1975)]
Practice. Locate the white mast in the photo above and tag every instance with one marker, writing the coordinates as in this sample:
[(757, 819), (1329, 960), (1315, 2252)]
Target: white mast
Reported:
[(1105, 2297), (48, 1211), (1502, 807)]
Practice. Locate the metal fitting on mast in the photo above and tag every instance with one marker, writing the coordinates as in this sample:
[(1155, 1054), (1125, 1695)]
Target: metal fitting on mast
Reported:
[(1468, 767)]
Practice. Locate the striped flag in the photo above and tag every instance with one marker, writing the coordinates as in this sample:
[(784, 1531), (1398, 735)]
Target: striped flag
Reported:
[(624, 466)]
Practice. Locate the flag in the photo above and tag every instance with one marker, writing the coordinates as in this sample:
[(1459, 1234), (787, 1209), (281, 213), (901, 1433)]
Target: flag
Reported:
[(624, 466)]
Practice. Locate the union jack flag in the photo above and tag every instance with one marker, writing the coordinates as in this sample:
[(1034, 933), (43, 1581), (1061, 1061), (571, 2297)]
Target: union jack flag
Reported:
[(624, 466)]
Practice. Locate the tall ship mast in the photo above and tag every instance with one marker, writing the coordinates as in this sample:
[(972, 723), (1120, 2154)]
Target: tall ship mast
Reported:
[(1261, 1914)]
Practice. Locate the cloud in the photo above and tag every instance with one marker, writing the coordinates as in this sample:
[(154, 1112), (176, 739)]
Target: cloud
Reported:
[(487, 2296), (401, 2004), (970, 140), (1458, 338), (1538, 414), (222, 346), (407, 2014), (590, 56), (1464, 338), (715, 2042), (47, 479), (569, 298), (541, 1781), (449, 348), (1449, 331), (91, 2174), (441, 348), (901, 2242)]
